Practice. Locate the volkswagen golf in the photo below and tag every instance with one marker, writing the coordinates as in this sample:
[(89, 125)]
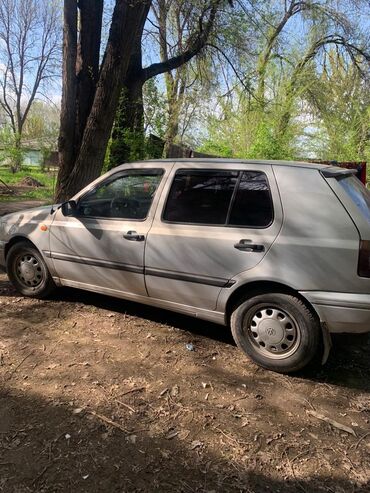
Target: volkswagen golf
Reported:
[(277, 251)]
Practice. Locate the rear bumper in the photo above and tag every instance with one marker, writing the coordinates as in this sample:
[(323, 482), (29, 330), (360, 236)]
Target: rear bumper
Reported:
[(2, 256), (341, 312)]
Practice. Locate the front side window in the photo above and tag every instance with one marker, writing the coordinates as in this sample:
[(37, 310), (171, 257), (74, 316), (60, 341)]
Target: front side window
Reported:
[(127, 195), (234, 198)]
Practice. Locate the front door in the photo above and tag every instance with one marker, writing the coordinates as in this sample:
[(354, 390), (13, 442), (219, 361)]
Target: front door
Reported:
[(213, 224), (102, 245)]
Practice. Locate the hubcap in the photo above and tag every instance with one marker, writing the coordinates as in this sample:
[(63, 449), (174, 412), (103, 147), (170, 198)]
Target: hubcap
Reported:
[(273, 332), (28, 271)]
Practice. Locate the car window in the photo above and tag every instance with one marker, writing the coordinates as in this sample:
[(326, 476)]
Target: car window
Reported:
[(127, 195), (235, 198), (200, 196), (252, 206), (358, 193)]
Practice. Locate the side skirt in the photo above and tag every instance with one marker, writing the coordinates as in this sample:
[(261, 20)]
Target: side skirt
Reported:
[(209, 315)]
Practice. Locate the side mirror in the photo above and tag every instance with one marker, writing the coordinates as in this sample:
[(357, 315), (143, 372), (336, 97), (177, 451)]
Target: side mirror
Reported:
[(69, 208)]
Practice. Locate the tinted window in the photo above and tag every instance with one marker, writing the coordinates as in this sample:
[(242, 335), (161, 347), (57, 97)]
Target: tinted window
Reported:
[(126, 196), (253, 205), (359, 194), (200, 197)]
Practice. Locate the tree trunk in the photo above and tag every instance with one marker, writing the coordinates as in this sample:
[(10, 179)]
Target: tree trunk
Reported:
[(175, 104), (128, 140), (88, 54), (66, 143), (128, 18), (79, 164), (17, 155), (128, 131)]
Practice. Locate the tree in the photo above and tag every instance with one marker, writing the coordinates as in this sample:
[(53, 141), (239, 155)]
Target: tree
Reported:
[(194, 23), (29, 49), (339, 99), (87, 116), (270, 120)]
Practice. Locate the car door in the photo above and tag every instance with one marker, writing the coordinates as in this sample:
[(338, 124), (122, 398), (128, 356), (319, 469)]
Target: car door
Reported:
[(101, 246), (211, 225)]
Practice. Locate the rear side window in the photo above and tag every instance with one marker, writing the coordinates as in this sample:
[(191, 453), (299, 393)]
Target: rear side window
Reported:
[(253, 205), (359, 194), (209, 197), (200, 197)]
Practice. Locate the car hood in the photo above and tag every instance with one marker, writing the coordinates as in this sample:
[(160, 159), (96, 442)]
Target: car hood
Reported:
[(25, 222), (40, 212)]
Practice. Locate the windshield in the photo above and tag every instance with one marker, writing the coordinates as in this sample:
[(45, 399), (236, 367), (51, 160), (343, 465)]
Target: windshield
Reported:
[(359, 194)]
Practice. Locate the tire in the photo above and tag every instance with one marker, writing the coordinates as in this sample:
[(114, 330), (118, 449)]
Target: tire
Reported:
[(277, 331), (28, 272)]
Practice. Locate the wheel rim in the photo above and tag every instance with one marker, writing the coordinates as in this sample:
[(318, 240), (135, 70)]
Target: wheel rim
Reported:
[(28, 271), (273, 332)]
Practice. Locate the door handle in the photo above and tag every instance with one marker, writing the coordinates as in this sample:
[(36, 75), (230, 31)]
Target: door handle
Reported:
[(248, 246), (133, 236)]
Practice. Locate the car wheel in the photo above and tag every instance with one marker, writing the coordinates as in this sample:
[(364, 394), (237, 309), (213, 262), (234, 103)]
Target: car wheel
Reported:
[(28, 272), (277, 331)]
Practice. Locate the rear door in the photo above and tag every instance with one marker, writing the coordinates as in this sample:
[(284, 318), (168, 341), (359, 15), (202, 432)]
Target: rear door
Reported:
[(211, 224)]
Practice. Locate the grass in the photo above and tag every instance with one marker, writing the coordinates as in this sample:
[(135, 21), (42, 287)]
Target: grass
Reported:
[(33, 193)]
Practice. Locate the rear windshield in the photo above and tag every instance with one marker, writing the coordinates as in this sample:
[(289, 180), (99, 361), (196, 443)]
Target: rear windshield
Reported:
[(359, 194)]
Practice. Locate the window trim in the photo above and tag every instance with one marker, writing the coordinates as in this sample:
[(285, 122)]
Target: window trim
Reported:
[(116, 176), (232, 200)]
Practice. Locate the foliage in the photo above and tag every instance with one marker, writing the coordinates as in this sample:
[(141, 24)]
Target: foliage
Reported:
[(40, 130), (11, 152), (42, 124), (297, 101), (132, 144), (155, 115), (340, 103), (243, 130)]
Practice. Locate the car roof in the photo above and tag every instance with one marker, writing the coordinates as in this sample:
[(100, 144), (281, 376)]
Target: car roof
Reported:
[(299, 164)]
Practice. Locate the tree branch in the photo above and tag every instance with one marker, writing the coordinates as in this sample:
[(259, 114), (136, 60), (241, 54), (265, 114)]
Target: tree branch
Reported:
[(194, 49)]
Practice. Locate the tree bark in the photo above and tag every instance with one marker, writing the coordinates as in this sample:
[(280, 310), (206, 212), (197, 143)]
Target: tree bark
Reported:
[(128, 130), (128, 18), (66, 143), (88, 54), (175, 102)]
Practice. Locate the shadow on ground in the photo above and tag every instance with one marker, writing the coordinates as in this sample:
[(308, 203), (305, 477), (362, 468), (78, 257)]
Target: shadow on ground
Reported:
[(348, 364), (46, 447)]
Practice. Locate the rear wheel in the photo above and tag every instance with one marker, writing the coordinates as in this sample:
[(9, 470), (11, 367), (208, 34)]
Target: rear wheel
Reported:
[(27, 271), (277, 331)]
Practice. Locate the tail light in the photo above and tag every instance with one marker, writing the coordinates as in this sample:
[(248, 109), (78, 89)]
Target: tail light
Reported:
[(364, 259)]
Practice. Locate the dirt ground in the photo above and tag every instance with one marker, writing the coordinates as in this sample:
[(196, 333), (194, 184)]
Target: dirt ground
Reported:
[(103, 395)]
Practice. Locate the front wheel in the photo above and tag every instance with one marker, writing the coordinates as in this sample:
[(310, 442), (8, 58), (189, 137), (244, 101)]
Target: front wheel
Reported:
[(277, 331), (28, 272)]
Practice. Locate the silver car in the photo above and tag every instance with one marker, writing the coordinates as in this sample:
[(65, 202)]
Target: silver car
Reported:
[(278, 251)]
